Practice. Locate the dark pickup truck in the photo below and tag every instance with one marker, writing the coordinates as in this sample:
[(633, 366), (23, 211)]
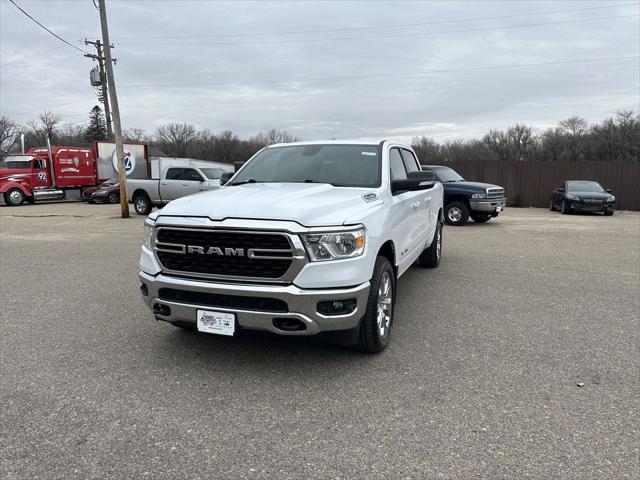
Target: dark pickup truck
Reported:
[(462, 199)]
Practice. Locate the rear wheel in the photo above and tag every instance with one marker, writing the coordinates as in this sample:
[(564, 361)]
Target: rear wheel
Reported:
[(14, 197), (552, 207), (142, 204), (375, 326), (113, 197), (430, 257), (480, 217), (456, 214)]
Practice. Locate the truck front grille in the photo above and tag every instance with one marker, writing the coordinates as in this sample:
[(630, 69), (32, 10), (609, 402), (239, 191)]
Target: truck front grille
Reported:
[(224, 301), (495, 192), (224, 253)]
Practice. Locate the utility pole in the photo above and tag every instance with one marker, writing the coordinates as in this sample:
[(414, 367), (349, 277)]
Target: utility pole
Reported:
[(122, 176), (103, 80)]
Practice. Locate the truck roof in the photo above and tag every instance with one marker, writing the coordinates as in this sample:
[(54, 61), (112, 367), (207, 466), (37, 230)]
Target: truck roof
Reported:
[(329, 142)]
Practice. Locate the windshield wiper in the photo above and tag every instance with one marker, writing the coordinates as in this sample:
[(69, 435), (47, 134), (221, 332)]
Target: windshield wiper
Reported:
[(251, 180)]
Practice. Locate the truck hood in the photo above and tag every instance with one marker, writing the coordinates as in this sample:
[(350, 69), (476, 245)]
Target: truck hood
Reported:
[(310, 205), (14, 172), (598, 195), (470, 186)]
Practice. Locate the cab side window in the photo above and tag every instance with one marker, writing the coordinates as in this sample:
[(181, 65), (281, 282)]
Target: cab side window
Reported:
[(398, 170), (410, 162), (174, 173), (191, 175)]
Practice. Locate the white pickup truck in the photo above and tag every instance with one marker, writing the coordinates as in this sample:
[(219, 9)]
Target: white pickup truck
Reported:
[(305, 239), (175, 182)]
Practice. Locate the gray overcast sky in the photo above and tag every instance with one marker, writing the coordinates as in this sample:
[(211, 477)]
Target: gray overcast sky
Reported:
[(354, 69)]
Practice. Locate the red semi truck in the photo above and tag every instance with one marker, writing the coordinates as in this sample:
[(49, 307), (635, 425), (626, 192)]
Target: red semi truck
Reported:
[(38, 175)]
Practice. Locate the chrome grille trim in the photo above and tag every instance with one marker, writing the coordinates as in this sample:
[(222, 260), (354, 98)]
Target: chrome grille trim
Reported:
[(296, 254)]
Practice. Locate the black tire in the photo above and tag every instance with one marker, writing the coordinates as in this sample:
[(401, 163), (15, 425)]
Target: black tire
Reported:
[(374, 337), (564, 208), (142, 204), (552, 207), (456, 214), (608, 212), (113, 197), (14, 197), (480, 218), (430, 257)]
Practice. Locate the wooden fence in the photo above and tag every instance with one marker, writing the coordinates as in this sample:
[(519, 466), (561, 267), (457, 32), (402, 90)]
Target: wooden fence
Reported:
[(529, 183)]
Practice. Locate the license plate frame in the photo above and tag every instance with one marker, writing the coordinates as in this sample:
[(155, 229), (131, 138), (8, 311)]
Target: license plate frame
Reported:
[(216, 322)]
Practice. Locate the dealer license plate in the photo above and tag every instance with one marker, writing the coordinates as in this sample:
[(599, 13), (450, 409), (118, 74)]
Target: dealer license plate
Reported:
[(499, 208), (220, 323)]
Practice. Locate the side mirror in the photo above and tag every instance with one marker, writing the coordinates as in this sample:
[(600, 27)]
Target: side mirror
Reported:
[(225, 177), (415, 181), (608, 190), (560, 189)]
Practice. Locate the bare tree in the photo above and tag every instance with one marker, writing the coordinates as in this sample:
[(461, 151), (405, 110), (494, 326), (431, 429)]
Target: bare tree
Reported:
[(521, 142), (176, 138), (9, 132), (227, 145), (136, 135)]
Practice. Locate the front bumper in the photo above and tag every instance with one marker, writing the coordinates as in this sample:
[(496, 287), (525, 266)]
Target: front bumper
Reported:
[(489, 205), (301, 304), (579, 206)]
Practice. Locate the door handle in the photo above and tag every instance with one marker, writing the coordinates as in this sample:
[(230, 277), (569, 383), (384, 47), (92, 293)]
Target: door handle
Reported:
[(163, 183), (415, 204)]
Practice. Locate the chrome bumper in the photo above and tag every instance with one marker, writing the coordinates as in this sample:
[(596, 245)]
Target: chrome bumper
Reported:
[(487, 205), (302, 304)]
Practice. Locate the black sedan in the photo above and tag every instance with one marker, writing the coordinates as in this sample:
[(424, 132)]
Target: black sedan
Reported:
[(582, 196), (108, 192)]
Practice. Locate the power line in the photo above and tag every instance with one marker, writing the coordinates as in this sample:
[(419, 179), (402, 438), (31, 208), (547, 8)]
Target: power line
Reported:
[(382, 75), (375, 37), (400, 25), (50, 107), (45, 28)]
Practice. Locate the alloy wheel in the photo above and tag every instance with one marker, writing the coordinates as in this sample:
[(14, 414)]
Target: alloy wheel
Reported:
[(384, 304)]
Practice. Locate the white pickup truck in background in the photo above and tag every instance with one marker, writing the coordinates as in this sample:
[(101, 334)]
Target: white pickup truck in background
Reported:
[(306, 238), (176, 181)]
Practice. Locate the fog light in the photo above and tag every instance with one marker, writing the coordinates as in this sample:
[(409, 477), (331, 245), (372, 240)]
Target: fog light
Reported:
[(144, 289), (337, 307)]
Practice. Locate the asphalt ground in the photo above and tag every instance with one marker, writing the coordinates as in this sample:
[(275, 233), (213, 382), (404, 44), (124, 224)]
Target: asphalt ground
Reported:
[(517, 358)]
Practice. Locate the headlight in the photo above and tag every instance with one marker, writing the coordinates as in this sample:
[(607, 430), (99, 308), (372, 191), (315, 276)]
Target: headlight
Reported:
[(479, 195), (571, 197), (323, 246), (148, 236), (611, 198)]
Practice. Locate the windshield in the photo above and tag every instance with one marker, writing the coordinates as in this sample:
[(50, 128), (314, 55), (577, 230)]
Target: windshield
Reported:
[(446, 174), (584, 187), (109, 183), (212, 173), (339, 165), (15, 161)]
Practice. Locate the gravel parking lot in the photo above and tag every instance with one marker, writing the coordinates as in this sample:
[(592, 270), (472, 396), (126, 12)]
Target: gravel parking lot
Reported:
[(481, 380)]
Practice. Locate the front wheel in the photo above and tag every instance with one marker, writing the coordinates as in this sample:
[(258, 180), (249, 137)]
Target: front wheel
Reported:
[(14, 197), (430, 257), (552, 207), (375, 326), (564, 208), (142, 204), (456, 214), (113, 197), (608, 212)]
